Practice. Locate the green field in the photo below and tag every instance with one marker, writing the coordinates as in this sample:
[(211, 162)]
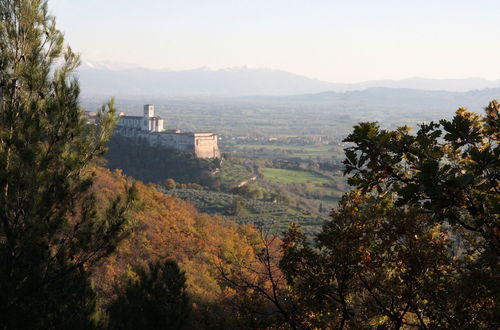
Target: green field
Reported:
[(286, 151), (232, 174), (285, 176)]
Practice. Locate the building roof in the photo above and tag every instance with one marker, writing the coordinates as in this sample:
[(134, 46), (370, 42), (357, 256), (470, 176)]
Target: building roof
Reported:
[(140, 117), (203, 133)]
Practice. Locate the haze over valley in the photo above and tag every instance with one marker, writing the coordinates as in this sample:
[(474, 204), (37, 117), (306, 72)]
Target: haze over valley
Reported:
[(104, 78), (257, 165), (267, 103)]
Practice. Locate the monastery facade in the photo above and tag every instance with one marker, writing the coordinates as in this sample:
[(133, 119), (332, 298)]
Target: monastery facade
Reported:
[(150, 128)]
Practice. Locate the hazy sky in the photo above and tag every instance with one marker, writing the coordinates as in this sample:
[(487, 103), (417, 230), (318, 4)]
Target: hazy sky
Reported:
[(339, 41)]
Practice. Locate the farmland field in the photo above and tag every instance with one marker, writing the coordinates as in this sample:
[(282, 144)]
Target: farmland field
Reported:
[(231, 174), (265, 214), (286, 176), (284, 151)]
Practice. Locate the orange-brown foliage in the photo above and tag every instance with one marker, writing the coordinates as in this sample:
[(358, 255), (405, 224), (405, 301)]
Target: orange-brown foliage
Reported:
[(167, 227)]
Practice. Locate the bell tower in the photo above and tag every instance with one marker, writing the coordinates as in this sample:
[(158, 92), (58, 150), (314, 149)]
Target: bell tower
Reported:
[(149, 110)]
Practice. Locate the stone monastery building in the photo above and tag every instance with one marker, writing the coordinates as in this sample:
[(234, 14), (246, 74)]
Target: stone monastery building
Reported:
[(150, 128)]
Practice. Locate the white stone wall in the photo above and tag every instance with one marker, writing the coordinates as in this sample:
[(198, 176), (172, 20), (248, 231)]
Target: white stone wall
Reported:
[(160, 125), (149, 110), (150, 128), (133, 122), (204, 146), (146, 123)]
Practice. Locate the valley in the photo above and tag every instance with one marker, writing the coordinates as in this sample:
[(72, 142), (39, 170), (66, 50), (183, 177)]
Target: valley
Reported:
[(281, 156)]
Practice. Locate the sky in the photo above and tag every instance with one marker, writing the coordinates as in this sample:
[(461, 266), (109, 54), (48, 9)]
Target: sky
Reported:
[(338, 41)]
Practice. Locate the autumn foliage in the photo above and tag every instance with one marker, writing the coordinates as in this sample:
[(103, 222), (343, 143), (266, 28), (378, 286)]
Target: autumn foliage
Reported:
[(169, 228)]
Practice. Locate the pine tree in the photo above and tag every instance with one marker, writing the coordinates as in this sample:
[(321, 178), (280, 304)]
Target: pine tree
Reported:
[(51, 228), (156, 299)]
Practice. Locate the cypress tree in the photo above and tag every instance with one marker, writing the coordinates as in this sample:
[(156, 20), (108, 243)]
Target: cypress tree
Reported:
[(51, 228)]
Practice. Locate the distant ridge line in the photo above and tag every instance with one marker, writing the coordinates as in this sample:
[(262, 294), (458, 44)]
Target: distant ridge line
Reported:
[(96, 79)]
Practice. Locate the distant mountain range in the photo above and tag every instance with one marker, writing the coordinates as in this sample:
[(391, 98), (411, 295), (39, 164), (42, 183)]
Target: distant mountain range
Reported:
[(400, 98), (128, 80)]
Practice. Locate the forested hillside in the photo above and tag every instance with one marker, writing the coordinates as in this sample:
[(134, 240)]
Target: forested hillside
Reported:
[(156, 164), (167, 228)]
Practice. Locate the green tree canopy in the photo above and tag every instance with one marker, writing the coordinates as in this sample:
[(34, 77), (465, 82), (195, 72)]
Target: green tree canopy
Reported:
[(450, 168), (51, 229), (415, 244), (155, 299), (375, 265)]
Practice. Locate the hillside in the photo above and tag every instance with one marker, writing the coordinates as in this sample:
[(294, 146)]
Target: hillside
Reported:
[(271, 216), (156, 164), (169, 228)]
